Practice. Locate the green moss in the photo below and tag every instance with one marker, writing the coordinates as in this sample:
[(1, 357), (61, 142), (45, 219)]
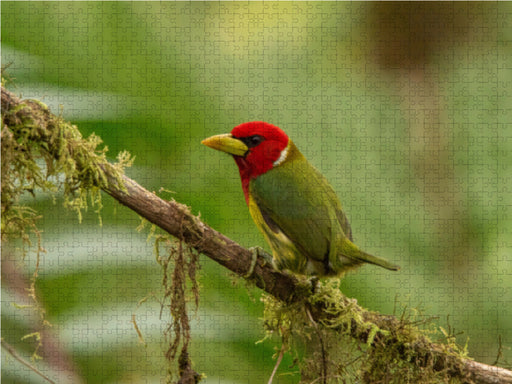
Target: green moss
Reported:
[(349, 344), (43, 153)]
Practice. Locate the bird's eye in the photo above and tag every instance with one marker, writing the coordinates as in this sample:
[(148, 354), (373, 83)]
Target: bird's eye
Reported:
[(252, 141)]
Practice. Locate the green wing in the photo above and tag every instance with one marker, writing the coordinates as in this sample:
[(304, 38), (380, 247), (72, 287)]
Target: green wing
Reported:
[(296, 198)]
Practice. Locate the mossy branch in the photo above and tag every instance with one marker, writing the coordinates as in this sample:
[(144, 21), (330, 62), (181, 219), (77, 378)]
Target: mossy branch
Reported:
[(326, 308)]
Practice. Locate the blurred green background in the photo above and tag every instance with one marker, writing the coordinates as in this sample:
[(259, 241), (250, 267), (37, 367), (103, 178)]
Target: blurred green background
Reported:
[(406, 108)]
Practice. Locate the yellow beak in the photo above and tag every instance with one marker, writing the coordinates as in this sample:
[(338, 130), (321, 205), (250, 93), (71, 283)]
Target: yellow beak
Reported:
[(226, 143)]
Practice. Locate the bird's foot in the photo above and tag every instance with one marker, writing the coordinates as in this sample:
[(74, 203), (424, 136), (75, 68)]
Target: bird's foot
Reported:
[(257, 252)]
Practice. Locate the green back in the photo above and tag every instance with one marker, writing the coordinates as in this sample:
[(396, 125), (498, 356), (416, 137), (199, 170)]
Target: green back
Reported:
[(302, 203)]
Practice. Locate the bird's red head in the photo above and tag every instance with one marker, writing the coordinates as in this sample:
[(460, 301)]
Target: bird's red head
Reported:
[(257, 147), (265, 143)]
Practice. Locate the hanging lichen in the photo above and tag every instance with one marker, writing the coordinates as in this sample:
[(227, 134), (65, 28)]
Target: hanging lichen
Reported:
[(180, 264)]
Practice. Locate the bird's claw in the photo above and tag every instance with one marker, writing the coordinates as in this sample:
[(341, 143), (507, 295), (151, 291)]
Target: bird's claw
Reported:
[(257, 252)]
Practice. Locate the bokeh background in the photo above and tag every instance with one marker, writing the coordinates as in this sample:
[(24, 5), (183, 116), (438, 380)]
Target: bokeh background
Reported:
[(405, 107)]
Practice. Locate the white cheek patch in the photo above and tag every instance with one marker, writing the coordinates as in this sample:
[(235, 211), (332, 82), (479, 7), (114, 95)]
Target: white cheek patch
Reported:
[(282, 157)]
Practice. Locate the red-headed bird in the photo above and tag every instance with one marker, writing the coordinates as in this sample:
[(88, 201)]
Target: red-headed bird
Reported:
[(292, 204)]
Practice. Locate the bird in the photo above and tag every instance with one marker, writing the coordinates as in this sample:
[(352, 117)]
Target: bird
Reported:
[(292, 203)]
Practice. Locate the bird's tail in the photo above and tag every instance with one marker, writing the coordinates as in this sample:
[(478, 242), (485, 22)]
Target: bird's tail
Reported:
[(366, 257), (351, 251)]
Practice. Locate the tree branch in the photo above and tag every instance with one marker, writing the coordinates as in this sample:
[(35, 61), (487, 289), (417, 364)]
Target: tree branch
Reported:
[(177, 220)]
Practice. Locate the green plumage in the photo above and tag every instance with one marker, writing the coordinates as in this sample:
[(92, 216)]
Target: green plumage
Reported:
[(292, 203), (302, 219)]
